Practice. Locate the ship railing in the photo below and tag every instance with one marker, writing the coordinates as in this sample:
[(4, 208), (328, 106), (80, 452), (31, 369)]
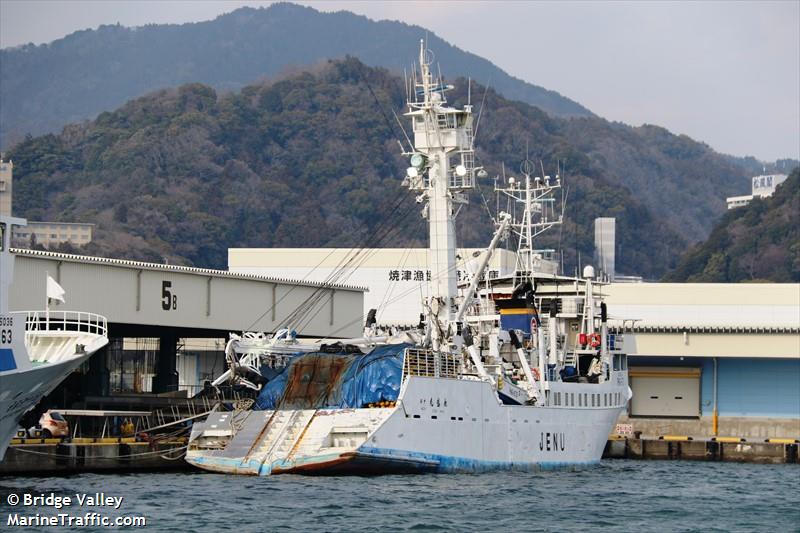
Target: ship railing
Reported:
[(65, 321), (467, 181), (429, 364)]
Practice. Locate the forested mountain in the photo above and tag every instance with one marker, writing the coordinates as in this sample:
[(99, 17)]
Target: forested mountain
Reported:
[(44, 87), (757, 242), (312, 160)]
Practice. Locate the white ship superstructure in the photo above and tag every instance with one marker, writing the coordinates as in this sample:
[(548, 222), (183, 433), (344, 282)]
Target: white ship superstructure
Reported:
[(38, 349), (517, 372)]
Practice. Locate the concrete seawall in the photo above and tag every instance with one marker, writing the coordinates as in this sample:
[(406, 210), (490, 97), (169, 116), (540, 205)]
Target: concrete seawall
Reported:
[(750, 428), (685, 448), (64, 458)]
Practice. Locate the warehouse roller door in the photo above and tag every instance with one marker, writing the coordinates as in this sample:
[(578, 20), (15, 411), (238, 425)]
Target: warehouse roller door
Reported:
[(665, 391)]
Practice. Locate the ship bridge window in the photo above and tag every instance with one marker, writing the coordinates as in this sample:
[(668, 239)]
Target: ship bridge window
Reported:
[(446, 120), (620, 361)]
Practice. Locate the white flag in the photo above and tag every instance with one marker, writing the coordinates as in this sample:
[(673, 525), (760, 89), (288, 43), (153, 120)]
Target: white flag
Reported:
[(54, 290)]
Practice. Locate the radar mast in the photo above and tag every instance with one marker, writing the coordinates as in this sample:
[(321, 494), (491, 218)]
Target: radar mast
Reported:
[(441, 169)]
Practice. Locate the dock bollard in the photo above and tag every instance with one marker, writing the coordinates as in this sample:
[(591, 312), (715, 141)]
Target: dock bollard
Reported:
[(730, 440)]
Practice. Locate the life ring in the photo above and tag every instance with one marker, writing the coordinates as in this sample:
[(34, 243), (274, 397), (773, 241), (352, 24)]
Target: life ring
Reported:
[(595, 340), (536, 374)]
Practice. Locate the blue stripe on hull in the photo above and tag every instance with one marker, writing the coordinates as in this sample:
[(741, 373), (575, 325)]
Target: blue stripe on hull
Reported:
[(372, 461), (450, 464)]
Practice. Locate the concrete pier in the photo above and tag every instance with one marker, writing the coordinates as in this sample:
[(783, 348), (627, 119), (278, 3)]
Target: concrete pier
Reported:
[(686, 448), (50, 456)]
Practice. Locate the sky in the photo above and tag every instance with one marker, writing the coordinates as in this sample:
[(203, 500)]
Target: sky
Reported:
[(723, 72)]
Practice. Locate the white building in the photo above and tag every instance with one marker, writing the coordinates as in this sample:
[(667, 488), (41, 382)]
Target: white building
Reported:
[(397, 278), (6, 172), (763, 186), (45, 233)]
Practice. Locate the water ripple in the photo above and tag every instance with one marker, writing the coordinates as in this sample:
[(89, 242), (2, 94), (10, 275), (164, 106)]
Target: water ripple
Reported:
[(614, 496)]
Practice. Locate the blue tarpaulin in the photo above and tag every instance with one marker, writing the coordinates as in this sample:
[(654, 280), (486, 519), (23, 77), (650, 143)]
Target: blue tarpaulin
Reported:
[(331, 380)]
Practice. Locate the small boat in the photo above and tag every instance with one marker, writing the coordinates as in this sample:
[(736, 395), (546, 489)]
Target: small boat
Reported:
[(38, 349)]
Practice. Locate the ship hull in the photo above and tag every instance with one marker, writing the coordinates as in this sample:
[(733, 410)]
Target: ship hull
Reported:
[(21, 391), (439, 425)]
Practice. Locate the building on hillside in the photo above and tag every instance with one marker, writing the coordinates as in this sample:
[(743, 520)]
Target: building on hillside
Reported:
[(48, 234), (6, 173), (763, 186)]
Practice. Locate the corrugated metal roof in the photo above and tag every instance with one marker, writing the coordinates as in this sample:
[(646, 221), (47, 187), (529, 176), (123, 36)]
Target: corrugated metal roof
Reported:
[(86, 259)]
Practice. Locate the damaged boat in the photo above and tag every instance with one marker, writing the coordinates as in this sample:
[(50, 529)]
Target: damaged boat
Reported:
[(515, 371)]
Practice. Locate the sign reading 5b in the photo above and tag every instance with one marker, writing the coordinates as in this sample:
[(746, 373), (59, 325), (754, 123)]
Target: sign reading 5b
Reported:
[(169, 301)]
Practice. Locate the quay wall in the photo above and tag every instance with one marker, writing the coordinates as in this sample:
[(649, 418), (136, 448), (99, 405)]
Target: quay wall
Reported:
[(748, 428), (677, 448), (64, 458)]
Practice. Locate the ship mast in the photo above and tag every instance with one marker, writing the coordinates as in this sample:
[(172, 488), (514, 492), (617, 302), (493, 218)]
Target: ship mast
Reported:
[(539, 213), (442, 168)]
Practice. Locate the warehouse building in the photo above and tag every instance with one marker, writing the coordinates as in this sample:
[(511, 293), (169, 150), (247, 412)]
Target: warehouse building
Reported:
[(397, 278), (712, 358)]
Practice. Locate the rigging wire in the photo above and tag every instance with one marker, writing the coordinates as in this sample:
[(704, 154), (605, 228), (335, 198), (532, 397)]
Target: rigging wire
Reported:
[(328, 282), (302, 314), (377, 102), (396, 298), (320, 299), (318, 294), (480, 114), (406, 254), (349, 263), (485, 203)]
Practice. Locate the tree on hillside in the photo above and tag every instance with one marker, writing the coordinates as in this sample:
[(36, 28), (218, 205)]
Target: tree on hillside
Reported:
[(757, 242)]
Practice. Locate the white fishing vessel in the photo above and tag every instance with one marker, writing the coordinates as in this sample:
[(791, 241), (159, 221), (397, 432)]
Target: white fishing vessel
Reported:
[(38, 349), (515, 372)]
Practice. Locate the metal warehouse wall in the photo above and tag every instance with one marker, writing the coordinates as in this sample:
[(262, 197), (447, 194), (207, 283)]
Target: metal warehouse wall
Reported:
[(747, 387), (754, 387)]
